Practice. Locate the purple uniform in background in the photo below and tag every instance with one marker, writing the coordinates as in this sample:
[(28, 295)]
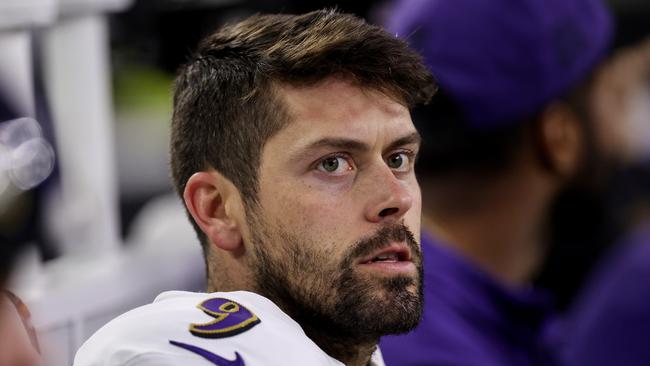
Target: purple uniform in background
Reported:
[(470, 319), (611, 323), (503, 60)]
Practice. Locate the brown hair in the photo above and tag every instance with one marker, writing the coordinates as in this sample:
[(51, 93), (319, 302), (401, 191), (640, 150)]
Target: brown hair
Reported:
[(225, 105)]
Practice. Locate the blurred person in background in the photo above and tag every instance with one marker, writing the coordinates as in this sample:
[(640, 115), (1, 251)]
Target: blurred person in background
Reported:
[(587, 226), (509, 140), (293, 149), (610, 322)]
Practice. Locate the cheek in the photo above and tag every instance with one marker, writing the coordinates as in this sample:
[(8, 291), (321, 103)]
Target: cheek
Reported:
[(315, 218), (309, 206), (413, 217)]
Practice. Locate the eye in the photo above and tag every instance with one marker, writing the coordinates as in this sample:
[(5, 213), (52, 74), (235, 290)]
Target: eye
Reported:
[(400, 161), (334, 164)]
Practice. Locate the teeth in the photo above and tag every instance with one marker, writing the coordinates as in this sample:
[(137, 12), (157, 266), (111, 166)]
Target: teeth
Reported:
[(386, 257)]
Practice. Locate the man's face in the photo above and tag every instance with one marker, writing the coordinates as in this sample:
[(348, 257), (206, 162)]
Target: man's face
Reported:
[(336, 231)]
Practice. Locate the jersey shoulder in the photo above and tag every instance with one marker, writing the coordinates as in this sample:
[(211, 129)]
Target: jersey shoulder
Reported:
[(228, 328)]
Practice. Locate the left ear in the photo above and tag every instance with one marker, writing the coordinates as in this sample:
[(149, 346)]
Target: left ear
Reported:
[(213, 202), (561, 139)]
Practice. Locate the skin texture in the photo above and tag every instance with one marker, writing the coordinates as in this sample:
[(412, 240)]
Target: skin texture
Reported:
[(305, 242)]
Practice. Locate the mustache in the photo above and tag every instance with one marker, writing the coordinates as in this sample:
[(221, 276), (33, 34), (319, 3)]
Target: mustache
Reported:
[(382, 238)]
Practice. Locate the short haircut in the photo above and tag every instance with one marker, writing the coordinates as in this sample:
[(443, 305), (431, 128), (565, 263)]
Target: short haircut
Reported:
[(225, 103)]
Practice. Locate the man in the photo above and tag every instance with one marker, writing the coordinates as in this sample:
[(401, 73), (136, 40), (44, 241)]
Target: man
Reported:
[(293, 149), (620, 111), (610, 324), (507, 140)]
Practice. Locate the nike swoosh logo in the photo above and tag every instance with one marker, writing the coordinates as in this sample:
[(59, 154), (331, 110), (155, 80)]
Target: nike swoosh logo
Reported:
[(215, 359)]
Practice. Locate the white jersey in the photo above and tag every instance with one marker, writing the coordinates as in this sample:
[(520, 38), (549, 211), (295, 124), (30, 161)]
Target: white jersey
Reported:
[(198, 329)]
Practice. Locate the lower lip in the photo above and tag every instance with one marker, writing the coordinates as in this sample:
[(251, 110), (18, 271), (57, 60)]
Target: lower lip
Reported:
[(400, 267)]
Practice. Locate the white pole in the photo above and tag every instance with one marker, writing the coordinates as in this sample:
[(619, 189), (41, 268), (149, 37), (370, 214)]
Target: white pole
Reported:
[(77, 69), (16, 70)]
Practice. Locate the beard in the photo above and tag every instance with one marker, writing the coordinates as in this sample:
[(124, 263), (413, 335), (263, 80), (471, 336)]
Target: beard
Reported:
[(329, 298), (584, 222)]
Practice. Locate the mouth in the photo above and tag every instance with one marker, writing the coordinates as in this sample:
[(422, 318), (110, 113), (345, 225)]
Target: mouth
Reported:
[(396, 252), (393, 259)]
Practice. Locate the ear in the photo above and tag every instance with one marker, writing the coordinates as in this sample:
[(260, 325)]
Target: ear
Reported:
[(561, 139), (211, 199)]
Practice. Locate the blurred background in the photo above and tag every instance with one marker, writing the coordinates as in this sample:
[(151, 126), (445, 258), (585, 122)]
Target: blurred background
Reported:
[(85, 194)]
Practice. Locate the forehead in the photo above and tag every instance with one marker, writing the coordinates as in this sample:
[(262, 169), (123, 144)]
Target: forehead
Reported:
[(339, 108)]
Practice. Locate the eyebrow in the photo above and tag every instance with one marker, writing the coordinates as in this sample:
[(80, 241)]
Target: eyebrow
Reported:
[(412, 138), (344, 143)]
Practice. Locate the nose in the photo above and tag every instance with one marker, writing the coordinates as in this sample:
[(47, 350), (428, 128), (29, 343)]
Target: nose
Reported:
[(390, 197)]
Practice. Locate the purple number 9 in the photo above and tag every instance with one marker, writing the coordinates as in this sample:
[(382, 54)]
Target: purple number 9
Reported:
[(230, 318)]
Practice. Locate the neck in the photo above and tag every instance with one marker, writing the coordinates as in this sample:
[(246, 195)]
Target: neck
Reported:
[(350, 348), (349, 351), (231, 273), (499, 226)]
